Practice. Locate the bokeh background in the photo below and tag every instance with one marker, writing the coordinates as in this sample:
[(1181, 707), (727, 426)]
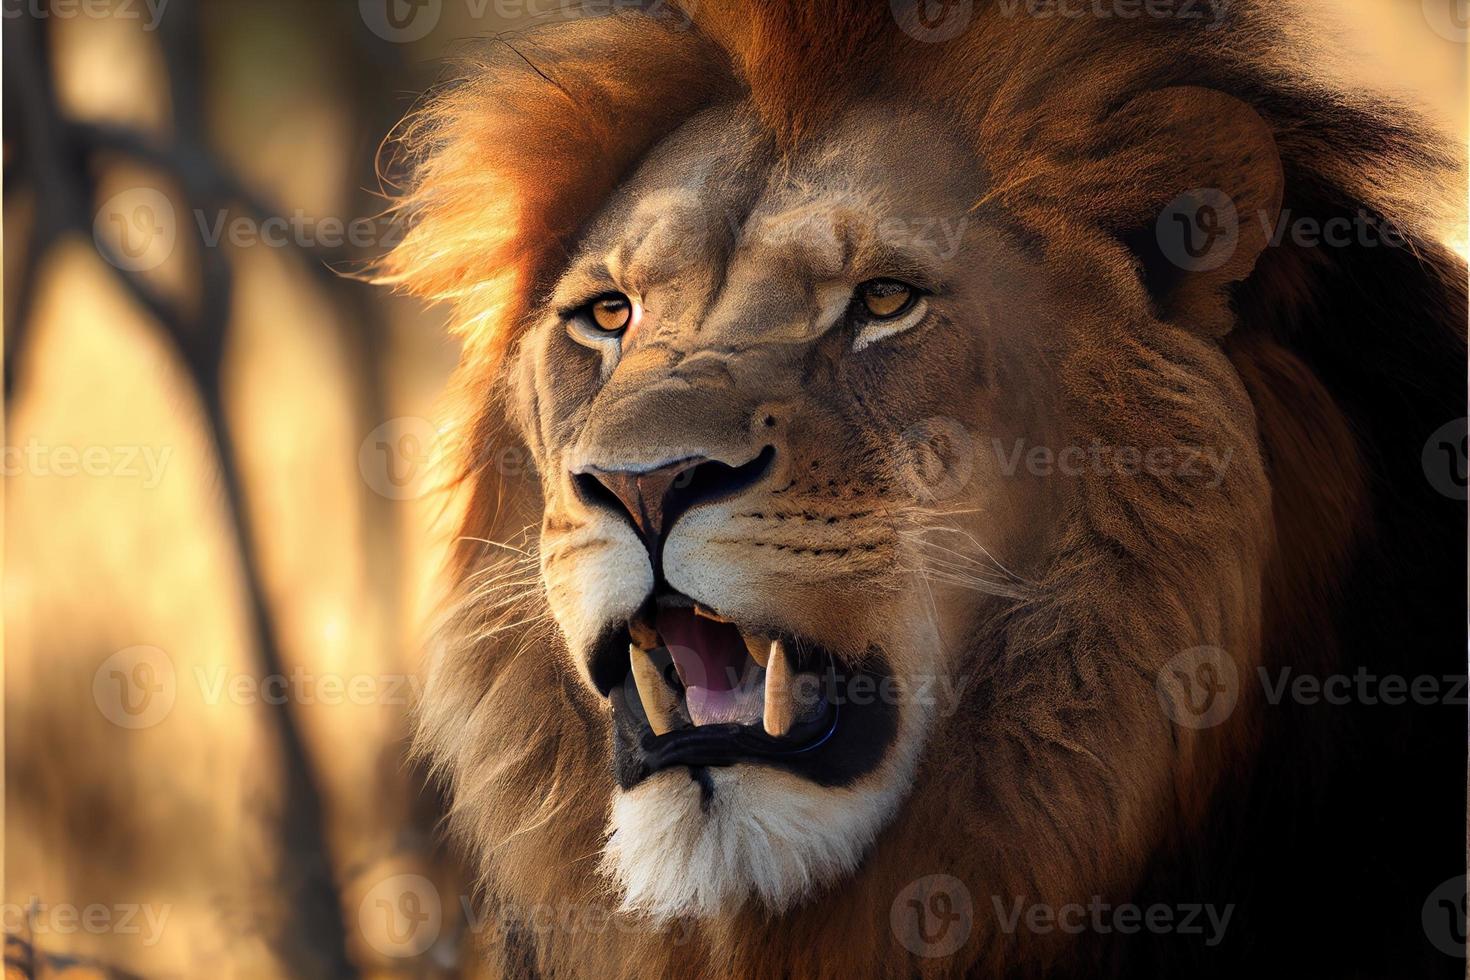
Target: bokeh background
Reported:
[(219, 536)]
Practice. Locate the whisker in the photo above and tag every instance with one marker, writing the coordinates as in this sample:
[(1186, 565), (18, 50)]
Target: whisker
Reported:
[(985, 586), (987, 553), (970, 558)]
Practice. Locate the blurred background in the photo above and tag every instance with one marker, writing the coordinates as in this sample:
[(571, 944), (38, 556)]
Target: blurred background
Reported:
[(219, 537)]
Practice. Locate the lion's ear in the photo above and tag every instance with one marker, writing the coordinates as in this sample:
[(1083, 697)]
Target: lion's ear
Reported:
[(1198, 187)]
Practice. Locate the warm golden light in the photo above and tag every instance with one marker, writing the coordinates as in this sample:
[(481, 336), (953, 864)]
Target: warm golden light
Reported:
[(144, 746)]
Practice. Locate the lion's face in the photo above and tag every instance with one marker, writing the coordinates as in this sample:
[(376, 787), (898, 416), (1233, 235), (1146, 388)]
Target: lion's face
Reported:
[(762, 400)]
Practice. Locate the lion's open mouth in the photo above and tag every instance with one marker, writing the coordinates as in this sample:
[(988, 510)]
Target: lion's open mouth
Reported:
[(693, 668), (696, 689)]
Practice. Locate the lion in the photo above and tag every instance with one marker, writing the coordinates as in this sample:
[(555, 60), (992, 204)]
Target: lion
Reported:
[(939, 443)]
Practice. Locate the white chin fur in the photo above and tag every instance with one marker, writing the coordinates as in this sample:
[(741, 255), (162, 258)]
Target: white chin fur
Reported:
[(766, 834)]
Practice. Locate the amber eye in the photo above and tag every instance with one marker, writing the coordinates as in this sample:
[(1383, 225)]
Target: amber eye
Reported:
[(610, 313), (884, 299)]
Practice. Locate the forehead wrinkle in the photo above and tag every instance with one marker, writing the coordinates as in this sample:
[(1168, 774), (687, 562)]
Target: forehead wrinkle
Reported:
[(662, 243), (843, 238), (885, 241), (766, 301), (671, 243), (801, 253), (671, 213), (811, 237), (675, 231)]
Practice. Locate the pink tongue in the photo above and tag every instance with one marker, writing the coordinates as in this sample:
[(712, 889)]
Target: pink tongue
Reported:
[(707, 654)]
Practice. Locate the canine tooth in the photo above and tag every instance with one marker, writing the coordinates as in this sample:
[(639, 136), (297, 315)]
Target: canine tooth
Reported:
[(658, 699), (780, 706), (759, 649)]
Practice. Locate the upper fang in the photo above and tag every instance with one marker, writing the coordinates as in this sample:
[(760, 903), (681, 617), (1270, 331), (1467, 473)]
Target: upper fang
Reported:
[(658, 700)]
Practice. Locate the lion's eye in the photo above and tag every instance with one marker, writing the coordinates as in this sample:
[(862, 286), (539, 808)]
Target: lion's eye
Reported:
[(610, 313), (884, 307), (884, 299)]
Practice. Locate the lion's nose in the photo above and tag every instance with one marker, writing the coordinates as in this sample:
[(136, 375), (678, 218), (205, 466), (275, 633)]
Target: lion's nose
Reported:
[(648, 495), (654, 498)]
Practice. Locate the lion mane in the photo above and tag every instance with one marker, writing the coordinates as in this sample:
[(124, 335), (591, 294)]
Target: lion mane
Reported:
[(1325, 828)]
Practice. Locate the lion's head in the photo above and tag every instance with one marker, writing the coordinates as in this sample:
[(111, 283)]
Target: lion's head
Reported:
[(895, 440)]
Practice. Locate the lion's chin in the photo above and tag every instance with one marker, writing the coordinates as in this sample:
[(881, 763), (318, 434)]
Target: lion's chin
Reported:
[(702, 842)]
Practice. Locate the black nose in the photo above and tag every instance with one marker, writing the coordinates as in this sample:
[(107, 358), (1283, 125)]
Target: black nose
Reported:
[(655, 498)]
